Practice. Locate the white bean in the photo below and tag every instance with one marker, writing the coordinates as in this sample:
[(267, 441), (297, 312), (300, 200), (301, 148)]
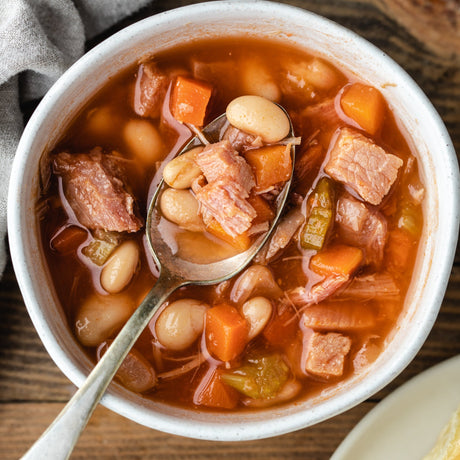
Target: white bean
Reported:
[(143, 140), (101, 316), (257, 80), (321, 75), (181, 323), (259, 116), (101, 120), (255, 281), (257, 311), (181, 171), (120, 268), (182, 208)]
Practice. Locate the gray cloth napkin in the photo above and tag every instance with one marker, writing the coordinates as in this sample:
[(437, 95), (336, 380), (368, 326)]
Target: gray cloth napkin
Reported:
[(39, 40)]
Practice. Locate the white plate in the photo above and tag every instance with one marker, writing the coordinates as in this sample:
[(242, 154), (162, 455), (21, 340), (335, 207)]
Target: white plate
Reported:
[(406, 424)]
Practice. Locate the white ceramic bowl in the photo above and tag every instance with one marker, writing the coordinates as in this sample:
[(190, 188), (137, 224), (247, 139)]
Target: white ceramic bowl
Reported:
[(348, 51)]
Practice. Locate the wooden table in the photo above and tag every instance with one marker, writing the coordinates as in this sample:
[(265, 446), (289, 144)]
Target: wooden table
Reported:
[(423, 36)]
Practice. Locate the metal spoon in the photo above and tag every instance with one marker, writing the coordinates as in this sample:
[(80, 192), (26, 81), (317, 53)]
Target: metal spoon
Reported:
[(58, 441)]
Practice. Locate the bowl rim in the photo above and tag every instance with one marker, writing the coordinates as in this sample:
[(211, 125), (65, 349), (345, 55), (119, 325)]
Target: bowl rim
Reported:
[(232, 430)]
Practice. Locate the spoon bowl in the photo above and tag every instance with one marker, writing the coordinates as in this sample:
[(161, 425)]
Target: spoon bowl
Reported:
[(58, 440), (215, 272)]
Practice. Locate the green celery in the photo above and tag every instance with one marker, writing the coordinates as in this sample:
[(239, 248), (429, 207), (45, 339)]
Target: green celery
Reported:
[(321, 203), (259, 378), (100, 248)]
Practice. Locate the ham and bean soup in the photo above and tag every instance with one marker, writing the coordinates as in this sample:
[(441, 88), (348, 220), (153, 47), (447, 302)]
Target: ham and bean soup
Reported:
[(319, 301)]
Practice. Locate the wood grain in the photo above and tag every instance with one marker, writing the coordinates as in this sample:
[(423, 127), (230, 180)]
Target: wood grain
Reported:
[(33, 390)]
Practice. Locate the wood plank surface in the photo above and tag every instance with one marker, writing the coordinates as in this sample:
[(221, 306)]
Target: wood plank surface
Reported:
[(33, 390)]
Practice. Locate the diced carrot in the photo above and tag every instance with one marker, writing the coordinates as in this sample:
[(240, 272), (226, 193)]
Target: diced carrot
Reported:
[(271, 164), (399, 250), (213, 392), (339, 316), (263, 209), (240, 242), (337, 260), (68, 239), (226, 332), (282, 328), (190, 99), (365, 105)]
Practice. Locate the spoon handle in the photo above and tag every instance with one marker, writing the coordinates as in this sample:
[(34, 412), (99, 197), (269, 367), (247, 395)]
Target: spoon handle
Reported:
[(58, 441)]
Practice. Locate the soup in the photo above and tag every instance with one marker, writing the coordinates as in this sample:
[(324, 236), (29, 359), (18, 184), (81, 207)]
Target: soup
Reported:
[(316, 305)]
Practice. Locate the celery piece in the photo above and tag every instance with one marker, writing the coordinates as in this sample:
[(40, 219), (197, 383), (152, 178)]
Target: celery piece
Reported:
[(321, 203), (259, 378), (410, 218), (100, 248)]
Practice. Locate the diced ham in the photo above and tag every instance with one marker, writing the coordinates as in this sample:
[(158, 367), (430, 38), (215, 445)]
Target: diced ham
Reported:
[(339, 316), (363, 227), (240, 140), (326, 354), (302, 297), (229, 181), (364, 166), (150, 90), (226, 202), (94, 188), (220, 160)]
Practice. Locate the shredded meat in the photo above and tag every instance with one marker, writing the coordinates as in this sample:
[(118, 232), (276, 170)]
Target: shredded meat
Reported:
[(339, 317), (375, 286), (364, 166), (326, 354), (240, 140), (283, 235), (150, 90), (360, 226), (303, 297), (94, 188)]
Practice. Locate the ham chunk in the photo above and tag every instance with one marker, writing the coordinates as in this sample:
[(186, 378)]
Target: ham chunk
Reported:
[(360, 226), (220, 160), (326, 354), (226, 202), (150, 90), (94, 188), (229, 181), (364, 166)]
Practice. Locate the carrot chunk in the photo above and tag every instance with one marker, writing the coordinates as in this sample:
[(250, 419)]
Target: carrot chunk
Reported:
[(190, 100), (337, 260), (240, 242), (263, 209), (365, 105), (226, 332), (69, 239), (271, 164), (281, 329), (213, 392), (399, 250)]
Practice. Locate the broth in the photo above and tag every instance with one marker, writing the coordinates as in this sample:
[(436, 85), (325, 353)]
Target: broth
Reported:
[(326, 307)]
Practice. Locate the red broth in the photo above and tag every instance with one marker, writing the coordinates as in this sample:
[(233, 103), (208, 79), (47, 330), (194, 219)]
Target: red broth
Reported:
[(325, 301)]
